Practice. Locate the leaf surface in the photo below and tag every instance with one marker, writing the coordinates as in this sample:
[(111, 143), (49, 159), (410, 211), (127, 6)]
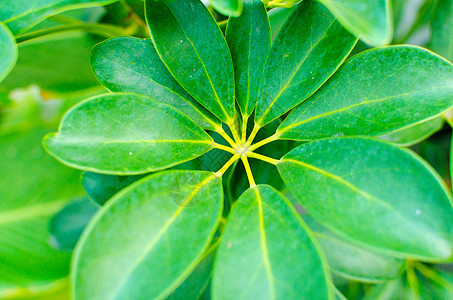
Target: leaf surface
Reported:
[(228, 7), (414, 134), (145, 242), (374, 194), (125, 134), (8, 51), (442, 29)]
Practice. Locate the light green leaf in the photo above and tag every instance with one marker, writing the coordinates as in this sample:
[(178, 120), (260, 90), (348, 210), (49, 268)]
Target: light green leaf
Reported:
[(145, 242), (351, 261), (231, 8), (127, 64), (20, 15), (249, 40), (374, 194), (8, 51), (371, 20), (374, 93), (277, 17), (125, 134), (414, 134), (194, 50), (442, 29), (267, 252), (308, 49)]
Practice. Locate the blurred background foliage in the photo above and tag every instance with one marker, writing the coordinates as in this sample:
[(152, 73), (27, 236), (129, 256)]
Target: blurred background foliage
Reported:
[(44, 207)]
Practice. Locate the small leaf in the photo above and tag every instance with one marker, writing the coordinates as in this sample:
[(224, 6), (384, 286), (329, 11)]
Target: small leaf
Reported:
[(442, 29), (373, 194), (370, 20), (249, 40), (193, 48), (8, 51), (351, 261), (126, 134), (308, 49), (147, 240), (267, 252), (414, 134), (231, 8), (374, 93), (127, 64)]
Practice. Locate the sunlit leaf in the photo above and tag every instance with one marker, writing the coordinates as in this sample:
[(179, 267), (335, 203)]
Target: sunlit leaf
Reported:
[(8, 51), (228, 7)]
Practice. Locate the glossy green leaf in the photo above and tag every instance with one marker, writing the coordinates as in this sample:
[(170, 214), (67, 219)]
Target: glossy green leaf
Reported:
[(126, 134), (20, 15), (33, 188), (351, 261), (375, 92), (8, 51), (228, 7), (127, 64), (373, 194), (308, 49), (442, 29), (267, 252), (145, 242), (414, 134), (277, 17), (194, 50), (101, 187), (249, 40), (370, 20)]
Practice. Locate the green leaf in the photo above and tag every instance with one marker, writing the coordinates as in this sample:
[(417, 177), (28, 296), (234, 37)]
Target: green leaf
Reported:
[(231, 8), (145, 242), (351, 261), (249, 40), (442, 29), (127, 64), (414, 134), (125, 134), (8, 51), (374, 194), (374, 93), (193, 48), (34, 188), (267, 252), (308, 49), (278, 16), (101, 187), (20, 15), (369, 20)]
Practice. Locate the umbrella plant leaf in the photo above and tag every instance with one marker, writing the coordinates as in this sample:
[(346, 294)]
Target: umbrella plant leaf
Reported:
[(8, 51), (147, 240), (263, 239), (191, 45), (228, 7), (370, 20), (127, 64), (125, 134), (374, 93), (442, 29), (307, 50), (373, 194), (249, 39)]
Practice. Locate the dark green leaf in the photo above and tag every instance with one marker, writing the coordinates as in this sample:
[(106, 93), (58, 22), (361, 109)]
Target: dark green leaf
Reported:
[(442, 29), (125, 134), (267, 252), (308, 49), (228, 7), (194, 50), (147, 239), (8, 51), (414, 134), (127, 64), (375, 92), (370, 20), (373, 194), (249, 40)]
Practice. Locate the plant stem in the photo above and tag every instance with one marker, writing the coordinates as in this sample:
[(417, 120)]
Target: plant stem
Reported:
[(263, 158), (225, 167), (222, 132), (224, 148), (412, 279), (244, 129), (434, 276), (234, 131), (248, 170), (253, 134), (272, 138)]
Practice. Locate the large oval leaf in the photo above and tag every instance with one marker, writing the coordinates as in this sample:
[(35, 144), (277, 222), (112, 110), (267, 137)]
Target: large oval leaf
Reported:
[(148, 238), (194, 50), (249, 39), (126, 134), (267, 252), (375, 92), (8, 51), (371, 20), (127, 64), (308, 49), (373, 194)]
